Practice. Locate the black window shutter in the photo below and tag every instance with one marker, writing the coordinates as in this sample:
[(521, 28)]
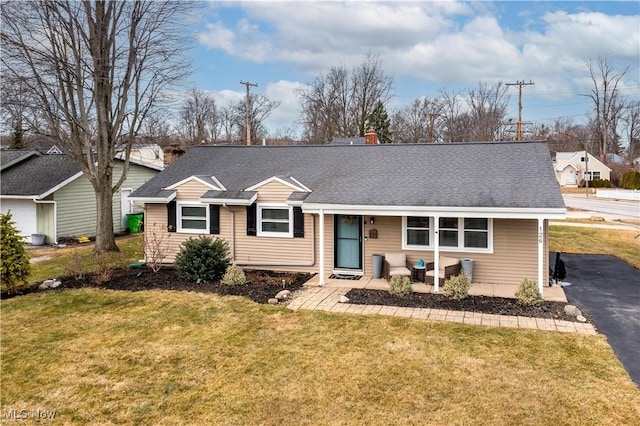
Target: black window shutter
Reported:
[(252, 212), (298, 222), (171, 216), (214, 219)]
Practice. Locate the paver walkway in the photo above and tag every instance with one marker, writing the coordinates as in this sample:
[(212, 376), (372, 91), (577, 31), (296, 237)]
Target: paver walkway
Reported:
[(328, 299)]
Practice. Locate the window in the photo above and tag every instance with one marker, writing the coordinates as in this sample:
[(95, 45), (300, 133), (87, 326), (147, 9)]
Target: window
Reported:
[(274, 221), (193, 218), (592, 175), (448, 232), (454, 233), (417, 232)]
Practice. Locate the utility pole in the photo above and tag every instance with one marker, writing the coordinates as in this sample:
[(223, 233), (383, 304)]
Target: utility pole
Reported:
[(246, 83), (520, 84)]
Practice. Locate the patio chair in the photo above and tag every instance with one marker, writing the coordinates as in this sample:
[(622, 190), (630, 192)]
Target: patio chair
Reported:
[(395, 264), (449, 266)]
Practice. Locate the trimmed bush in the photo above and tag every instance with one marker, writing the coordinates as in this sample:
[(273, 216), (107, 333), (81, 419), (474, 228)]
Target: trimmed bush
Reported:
[(457, 287), (600, 183), (203, 258), (630, 180), (400, 285), (528, 293), (14, 260), (234, 276)]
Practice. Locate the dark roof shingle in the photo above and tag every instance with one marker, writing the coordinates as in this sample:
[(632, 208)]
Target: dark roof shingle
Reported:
[(503, 175)]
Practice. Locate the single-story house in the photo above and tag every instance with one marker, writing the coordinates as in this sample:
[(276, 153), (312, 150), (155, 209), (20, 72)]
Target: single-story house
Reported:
[(48, 194), (571, 168), (328, 209)]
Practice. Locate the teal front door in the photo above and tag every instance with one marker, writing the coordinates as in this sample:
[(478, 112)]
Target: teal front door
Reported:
[(348, 242)]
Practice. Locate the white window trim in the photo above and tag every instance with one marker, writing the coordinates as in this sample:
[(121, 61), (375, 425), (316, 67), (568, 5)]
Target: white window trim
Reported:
[(179, 218), (406, 246), (460, 248), (261, 233)]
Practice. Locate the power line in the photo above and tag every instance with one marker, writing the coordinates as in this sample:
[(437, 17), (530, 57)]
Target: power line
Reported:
[(246, 83), (520, 84)]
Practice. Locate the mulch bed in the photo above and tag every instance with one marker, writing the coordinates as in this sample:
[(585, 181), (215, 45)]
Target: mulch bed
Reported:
[(263, 285), (260, 287), (483, 304)]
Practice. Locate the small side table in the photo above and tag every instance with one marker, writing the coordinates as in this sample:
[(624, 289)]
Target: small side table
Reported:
[(418, 273)]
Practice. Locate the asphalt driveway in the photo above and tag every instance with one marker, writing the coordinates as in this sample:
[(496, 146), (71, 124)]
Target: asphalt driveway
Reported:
[(609, 289)]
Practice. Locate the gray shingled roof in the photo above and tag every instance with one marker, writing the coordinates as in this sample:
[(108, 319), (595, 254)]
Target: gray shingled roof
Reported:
[(10, 157), (503, 175), (37, 175)]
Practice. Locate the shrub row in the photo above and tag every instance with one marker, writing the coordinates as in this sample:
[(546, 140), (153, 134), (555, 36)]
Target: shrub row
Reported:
[(630, 180)]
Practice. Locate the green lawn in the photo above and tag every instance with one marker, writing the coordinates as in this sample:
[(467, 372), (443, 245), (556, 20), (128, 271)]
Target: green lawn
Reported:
[(56, 266), (589, 240), (161, 357)]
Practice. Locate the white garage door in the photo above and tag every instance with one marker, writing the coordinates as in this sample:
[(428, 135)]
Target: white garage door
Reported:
[(23, 213)]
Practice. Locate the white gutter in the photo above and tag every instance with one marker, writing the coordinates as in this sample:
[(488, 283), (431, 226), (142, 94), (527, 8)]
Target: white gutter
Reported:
[(55, 216), (476, 212)]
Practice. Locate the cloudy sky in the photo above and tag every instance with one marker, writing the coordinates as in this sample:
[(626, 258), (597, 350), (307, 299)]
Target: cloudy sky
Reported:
[(424, 46)]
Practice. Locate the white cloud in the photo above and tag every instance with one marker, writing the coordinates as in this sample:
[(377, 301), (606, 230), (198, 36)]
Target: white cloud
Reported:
[(444, 43)]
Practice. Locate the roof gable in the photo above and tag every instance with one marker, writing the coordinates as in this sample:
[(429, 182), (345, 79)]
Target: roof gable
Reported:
[(210, 182), (288, 181)]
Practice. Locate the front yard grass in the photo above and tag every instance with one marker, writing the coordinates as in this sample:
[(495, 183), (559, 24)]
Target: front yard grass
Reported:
[(162, 357), (55, 266), (587, 240)]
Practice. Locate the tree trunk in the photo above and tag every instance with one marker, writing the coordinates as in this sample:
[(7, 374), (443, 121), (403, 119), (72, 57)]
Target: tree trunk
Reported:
[(105, 240)]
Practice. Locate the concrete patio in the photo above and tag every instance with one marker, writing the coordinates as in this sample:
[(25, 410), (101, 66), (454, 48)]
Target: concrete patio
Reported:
[(327, 298), (551, 294)]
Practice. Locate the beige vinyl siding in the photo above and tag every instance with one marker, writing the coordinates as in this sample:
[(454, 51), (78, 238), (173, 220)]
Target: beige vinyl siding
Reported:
[(191, 191), (273, 192), (76, 202), (514, 257)]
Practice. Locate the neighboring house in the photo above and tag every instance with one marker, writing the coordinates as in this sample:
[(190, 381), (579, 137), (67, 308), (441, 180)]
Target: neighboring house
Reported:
[(145, 154), (571, 168), (328, 209), (48, 194)]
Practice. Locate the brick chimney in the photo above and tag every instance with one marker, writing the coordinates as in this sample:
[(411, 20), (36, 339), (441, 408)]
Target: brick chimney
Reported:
[(371, 137)]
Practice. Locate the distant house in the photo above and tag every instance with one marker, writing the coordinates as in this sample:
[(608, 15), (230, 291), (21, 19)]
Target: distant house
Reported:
[(49, 195), (328, 209), (145, 154), (571, 168)]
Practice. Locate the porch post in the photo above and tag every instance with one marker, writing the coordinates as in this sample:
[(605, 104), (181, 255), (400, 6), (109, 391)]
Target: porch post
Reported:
[(436, 254), (540, 254), (321, 230)]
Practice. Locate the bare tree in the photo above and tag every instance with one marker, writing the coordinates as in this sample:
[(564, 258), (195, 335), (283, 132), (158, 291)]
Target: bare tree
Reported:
[(261, 109), (369, 85), (340, 102), (96, 69), (487, 108), (418, 122), (607, 102), (200, 118)]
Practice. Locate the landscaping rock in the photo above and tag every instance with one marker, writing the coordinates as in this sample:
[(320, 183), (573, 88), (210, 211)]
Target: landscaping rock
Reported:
[(343, 299), (581, 318), (273, 301), (56, 283), (284, 294), (572, 310), (45, 285)]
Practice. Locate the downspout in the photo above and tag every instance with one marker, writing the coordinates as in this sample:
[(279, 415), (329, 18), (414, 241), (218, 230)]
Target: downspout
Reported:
[(55, 217), (311, 262), (540, 254)]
